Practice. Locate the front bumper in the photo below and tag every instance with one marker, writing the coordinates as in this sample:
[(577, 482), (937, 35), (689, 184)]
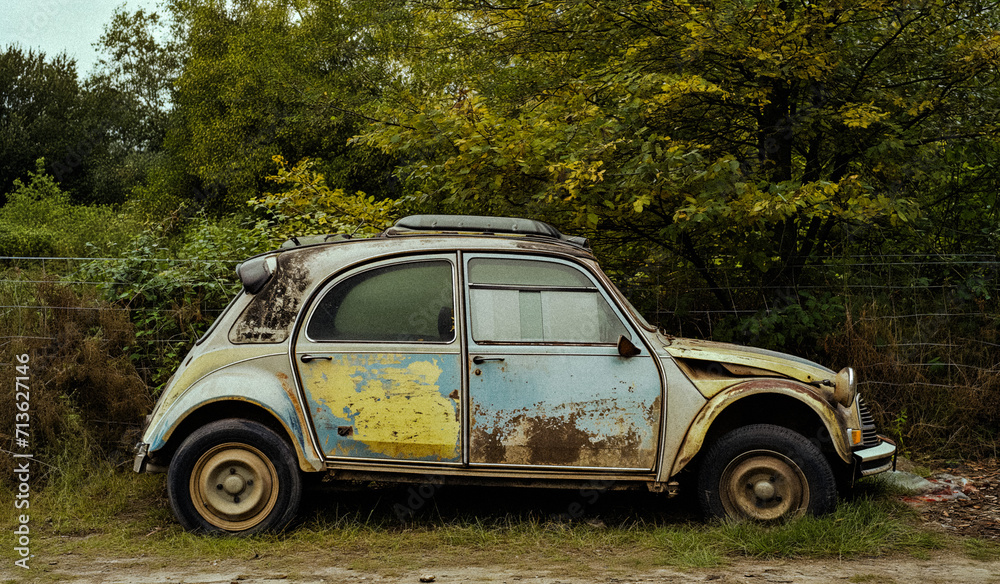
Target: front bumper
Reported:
[(875, 459)]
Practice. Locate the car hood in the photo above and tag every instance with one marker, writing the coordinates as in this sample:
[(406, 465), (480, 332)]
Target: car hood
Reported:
[(783, 364)]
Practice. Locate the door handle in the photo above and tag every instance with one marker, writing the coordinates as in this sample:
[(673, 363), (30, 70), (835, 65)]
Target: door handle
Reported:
[(307, 358), (480, 360)]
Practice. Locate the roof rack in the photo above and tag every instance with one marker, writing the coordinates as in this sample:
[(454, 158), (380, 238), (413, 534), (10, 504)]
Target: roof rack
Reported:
[(474, 224)]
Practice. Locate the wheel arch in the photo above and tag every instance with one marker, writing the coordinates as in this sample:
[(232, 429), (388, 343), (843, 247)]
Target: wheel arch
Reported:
[(231, 407), (766, 401)]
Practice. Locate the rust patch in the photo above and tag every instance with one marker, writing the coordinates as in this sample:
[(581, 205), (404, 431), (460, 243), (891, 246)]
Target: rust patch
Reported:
[(269, 316), (555, 440), (488, 445), (558, 440)]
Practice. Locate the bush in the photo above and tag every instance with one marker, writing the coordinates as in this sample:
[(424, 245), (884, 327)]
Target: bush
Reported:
[(84, 391), (40, 220), (939, 396), (173, 277)]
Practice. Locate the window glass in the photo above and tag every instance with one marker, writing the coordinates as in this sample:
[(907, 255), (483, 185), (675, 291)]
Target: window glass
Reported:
[(403, 302), (507, 304), (525, 273)]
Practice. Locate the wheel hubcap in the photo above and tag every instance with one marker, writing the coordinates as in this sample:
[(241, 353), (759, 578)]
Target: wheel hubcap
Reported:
[(764, 486), (234, 486)]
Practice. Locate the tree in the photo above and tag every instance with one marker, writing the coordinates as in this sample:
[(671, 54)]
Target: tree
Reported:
[(86, 131), (40, 100), (747, 134), (280, 78), (142, 68)]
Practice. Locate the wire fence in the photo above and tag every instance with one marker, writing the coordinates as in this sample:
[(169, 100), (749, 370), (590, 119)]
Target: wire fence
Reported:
[(935, 308), (22, 312)]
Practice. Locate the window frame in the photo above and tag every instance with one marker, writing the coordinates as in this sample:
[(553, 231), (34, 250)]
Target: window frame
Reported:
[(595, 287), (355, 271)]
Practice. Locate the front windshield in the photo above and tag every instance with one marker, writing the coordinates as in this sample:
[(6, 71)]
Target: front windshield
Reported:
[(631, 308)]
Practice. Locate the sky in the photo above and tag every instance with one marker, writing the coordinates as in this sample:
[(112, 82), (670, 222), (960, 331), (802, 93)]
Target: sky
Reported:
[(54, 26)]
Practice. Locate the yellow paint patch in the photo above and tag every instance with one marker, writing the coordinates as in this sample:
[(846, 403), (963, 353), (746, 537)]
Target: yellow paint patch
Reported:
[(397, 409)]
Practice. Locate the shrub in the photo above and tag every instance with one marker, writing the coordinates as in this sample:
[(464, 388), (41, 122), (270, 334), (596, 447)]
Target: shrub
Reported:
[(84, 391), (173, 277), (40, 220)]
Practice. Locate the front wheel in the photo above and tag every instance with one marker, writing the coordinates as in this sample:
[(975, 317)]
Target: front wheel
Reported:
[(234, 476), (765, 473)]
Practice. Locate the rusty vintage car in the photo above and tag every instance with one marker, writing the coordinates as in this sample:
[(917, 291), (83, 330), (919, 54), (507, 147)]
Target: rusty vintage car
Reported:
[(486, 351)]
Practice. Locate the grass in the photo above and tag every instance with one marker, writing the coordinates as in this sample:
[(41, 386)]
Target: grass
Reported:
[(93, 510)]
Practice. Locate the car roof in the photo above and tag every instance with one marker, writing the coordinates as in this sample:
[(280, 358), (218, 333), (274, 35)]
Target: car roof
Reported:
[(307, 257)]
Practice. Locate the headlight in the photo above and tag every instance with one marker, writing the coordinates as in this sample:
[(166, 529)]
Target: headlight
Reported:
[(845, 387)]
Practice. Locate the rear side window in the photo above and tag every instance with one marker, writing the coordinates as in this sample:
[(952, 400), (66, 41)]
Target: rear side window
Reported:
[(529, 301), (412, 302)]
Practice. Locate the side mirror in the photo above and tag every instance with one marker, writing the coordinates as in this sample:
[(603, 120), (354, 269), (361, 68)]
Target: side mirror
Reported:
[(627, 348)]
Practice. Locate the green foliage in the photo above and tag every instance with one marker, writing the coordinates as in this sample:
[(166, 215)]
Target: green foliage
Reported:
[(142, 68), (87, 130), (795, 323), (174, 277), (716, 134), (40, 220), (263, 79), (310, 207), (39, 118)]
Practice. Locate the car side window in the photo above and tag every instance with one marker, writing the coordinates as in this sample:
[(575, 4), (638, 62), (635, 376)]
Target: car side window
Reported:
[(410, 302), (531, 301)]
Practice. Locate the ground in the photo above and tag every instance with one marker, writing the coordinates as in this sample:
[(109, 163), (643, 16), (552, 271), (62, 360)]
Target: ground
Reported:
[(978, 516), (976, 522), (306, 567)]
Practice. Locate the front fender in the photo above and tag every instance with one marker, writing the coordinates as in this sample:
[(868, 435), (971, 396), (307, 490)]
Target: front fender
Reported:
[(260, 382), (695, 438)]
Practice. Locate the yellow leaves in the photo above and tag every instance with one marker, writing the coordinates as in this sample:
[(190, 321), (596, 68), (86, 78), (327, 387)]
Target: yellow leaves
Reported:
[(861, 115), (920, 108), (678, 86), (574, 176), (310, 207)]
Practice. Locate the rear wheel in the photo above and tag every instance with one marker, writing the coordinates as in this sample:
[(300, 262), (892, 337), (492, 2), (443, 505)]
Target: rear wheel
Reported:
[(234, 476), (765, 473)]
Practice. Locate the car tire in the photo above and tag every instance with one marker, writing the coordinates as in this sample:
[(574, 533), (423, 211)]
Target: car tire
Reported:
[(765, 473), (234, 476)]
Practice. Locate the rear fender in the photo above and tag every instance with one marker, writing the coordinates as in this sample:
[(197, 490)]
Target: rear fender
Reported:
[(261, 383)]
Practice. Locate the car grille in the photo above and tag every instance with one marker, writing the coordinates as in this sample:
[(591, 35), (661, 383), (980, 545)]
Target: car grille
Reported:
[(869, 436)]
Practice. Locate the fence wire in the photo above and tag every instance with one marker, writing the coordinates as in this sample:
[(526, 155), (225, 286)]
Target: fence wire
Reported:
[(937, 308)]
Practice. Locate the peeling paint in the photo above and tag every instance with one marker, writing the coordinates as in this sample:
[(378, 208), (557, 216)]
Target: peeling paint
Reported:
[(801, 392), (269, 316), (398, 405), (566, 410)]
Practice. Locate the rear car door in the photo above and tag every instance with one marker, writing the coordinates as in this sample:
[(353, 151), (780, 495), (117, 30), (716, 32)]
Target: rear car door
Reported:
[(379, 361)]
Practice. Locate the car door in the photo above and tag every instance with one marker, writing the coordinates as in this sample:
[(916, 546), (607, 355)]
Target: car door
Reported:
[(547, 385), (379, 361)]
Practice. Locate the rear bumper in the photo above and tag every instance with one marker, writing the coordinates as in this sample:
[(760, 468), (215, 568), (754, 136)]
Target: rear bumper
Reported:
[(141, 456), (875, 459)]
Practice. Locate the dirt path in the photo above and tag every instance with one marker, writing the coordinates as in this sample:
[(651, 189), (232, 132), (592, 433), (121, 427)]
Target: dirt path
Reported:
[(976, 517), (902, 570)]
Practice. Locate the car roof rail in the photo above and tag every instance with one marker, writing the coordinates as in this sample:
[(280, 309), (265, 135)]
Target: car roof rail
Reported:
[(480, 225), (305, 240)]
